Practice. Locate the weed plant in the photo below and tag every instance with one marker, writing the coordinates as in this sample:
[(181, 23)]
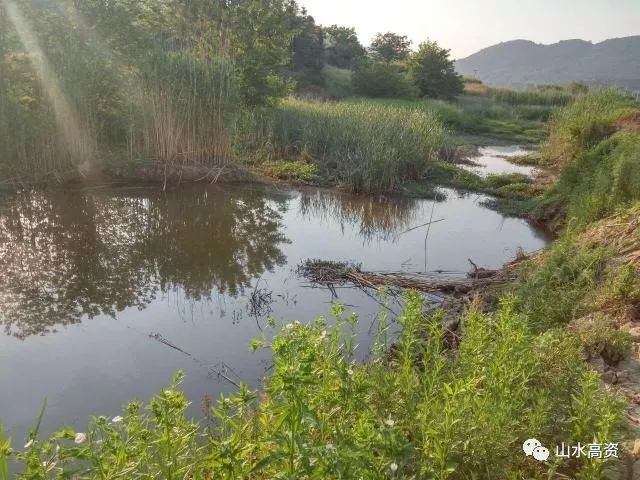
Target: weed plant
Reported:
[(418, 412)]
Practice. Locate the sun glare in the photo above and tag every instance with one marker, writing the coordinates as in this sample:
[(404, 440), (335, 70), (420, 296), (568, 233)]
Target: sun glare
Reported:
[(79, 140)]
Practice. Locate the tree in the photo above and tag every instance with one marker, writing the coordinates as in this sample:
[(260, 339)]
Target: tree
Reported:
[(341, 47), (380, 79), (261, 32), (307, 49), (390, 47), (433, 72)]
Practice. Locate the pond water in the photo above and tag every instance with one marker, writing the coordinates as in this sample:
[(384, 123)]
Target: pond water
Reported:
[(91, 280), (494, 161)]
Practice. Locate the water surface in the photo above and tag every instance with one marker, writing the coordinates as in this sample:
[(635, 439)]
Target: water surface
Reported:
[(91, 279), (495, 161)]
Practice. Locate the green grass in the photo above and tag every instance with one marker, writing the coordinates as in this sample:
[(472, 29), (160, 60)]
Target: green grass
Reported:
[(297, 172), (552, 289), (477, 115), (548, 97), (420, 412), (583, 124), (364, 146), (599, 181)]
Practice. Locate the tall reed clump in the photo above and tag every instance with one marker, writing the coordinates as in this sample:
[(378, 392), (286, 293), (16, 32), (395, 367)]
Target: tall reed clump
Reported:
[(420, 412), (365, 146), (583, 124), (72, 101), (187, 111), (49, 122)]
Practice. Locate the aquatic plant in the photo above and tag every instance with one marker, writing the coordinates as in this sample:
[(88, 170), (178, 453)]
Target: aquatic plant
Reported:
[(365, 146)]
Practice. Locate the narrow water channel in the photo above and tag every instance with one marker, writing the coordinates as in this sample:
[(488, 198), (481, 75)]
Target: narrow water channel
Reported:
[(99, 286)]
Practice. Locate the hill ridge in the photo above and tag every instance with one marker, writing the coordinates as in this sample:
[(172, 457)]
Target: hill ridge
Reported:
[(520, 62)]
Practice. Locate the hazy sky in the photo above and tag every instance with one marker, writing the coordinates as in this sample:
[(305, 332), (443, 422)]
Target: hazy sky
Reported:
[(466, 26)]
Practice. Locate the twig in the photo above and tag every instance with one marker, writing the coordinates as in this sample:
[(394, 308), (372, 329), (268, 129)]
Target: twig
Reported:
[(424, 225)]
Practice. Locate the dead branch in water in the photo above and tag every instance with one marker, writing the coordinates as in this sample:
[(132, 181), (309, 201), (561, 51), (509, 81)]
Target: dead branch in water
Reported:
[(330, 273)]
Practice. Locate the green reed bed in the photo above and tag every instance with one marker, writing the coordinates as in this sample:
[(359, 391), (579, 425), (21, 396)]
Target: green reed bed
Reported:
[(364, 146), (74, 102), (547, 97), (480, 115), (421, 412)]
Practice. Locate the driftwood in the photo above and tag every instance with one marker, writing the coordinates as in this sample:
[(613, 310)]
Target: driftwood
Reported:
[(340, 273)]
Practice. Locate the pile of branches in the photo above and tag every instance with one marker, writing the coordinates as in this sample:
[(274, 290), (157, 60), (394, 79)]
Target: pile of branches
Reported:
[(330, 273)]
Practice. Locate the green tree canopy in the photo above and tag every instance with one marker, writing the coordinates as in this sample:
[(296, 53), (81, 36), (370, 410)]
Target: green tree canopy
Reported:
[(307, 51), (381, 79), (342, 48), (390, 47), (433, 72)]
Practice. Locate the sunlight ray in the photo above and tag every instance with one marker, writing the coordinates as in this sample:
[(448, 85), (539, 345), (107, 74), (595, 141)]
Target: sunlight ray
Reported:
[(80, 142)]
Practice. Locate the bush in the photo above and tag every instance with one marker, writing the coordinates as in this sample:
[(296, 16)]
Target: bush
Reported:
[(338, 82), (380, 79), (417, 413)]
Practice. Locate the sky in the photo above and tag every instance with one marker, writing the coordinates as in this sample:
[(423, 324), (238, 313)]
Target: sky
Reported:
[(466, 26)]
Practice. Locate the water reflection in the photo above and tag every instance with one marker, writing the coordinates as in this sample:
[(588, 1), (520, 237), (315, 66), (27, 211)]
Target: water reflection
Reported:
[(374, 217), (66, 255)]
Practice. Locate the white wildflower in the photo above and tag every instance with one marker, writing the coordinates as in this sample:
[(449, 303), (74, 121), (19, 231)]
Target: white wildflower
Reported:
[(393, 467), (390, 422), (28, 444), (323, 335), (289, 326), (80, 438), (117, 419), (350, 372), (296, 323)]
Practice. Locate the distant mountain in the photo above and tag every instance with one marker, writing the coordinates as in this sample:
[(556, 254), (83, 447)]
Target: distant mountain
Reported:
[(522, 62)]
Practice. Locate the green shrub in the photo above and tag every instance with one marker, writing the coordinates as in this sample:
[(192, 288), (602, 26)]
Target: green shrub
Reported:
[(338, 82), (418, 412), (381, 79)]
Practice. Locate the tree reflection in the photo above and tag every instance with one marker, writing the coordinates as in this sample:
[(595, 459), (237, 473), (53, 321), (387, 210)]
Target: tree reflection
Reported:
[(375, 217), (65, 255)]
